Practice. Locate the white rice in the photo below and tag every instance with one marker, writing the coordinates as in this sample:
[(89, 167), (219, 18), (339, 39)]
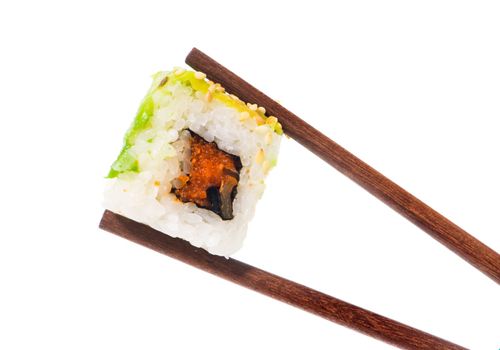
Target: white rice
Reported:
[(162, 152)]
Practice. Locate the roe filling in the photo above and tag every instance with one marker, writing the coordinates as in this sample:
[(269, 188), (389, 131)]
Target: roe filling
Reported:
[(212, 179)]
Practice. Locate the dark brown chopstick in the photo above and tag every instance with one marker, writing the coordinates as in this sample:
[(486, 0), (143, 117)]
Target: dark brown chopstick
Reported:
[(456, 239), (289, 292)]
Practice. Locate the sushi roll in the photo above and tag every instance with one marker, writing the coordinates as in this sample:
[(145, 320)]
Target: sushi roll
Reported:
[(194, 161)]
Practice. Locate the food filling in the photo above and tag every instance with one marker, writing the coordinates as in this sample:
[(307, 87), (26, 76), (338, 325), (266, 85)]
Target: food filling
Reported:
[(212, 179)]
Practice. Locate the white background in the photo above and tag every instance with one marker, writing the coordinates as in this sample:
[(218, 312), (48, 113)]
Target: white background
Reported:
[(412, 88)]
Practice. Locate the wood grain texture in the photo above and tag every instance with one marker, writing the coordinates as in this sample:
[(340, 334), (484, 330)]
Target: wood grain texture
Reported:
[(289, 292), (455, 238)]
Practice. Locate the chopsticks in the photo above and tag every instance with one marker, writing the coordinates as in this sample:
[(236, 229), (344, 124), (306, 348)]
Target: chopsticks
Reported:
[(439, 227), (276, 287)]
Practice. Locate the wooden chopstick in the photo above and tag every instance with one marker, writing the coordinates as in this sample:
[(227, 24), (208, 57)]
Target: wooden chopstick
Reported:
[(276, 287), (455, 238)]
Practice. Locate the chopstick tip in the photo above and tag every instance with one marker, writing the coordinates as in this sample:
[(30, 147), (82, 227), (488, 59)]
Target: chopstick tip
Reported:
[(194, 51)]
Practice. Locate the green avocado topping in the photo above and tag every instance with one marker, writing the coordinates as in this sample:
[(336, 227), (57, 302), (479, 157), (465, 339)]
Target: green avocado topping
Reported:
[(127, 162)]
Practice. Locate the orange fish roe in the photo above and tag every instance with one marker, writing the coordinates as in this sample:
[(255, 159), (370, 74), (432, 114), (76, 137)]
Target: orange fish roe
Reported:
[(212, 180)]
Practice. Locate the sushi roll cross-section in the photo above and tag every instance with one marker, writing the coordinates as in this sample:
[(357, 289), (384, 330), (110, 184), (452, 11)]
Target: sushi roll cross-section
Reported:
[(194, 161)]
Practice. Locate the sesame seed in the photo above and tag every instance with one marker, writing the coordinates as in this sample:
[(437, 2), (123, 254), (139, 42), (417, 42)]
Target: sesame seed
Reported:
[(200, 75), (163, 81), (234, 97), (259, 158), (269, 138), (272, 120), (220, 89), (211, 88), (262, 110), (260, 120), (208, 96), (179, 71), (252, 107), (266, 166)]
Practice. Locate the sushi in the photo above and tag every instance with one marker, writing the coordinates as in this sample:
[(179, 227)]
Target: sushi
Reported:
[(194, 161)]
